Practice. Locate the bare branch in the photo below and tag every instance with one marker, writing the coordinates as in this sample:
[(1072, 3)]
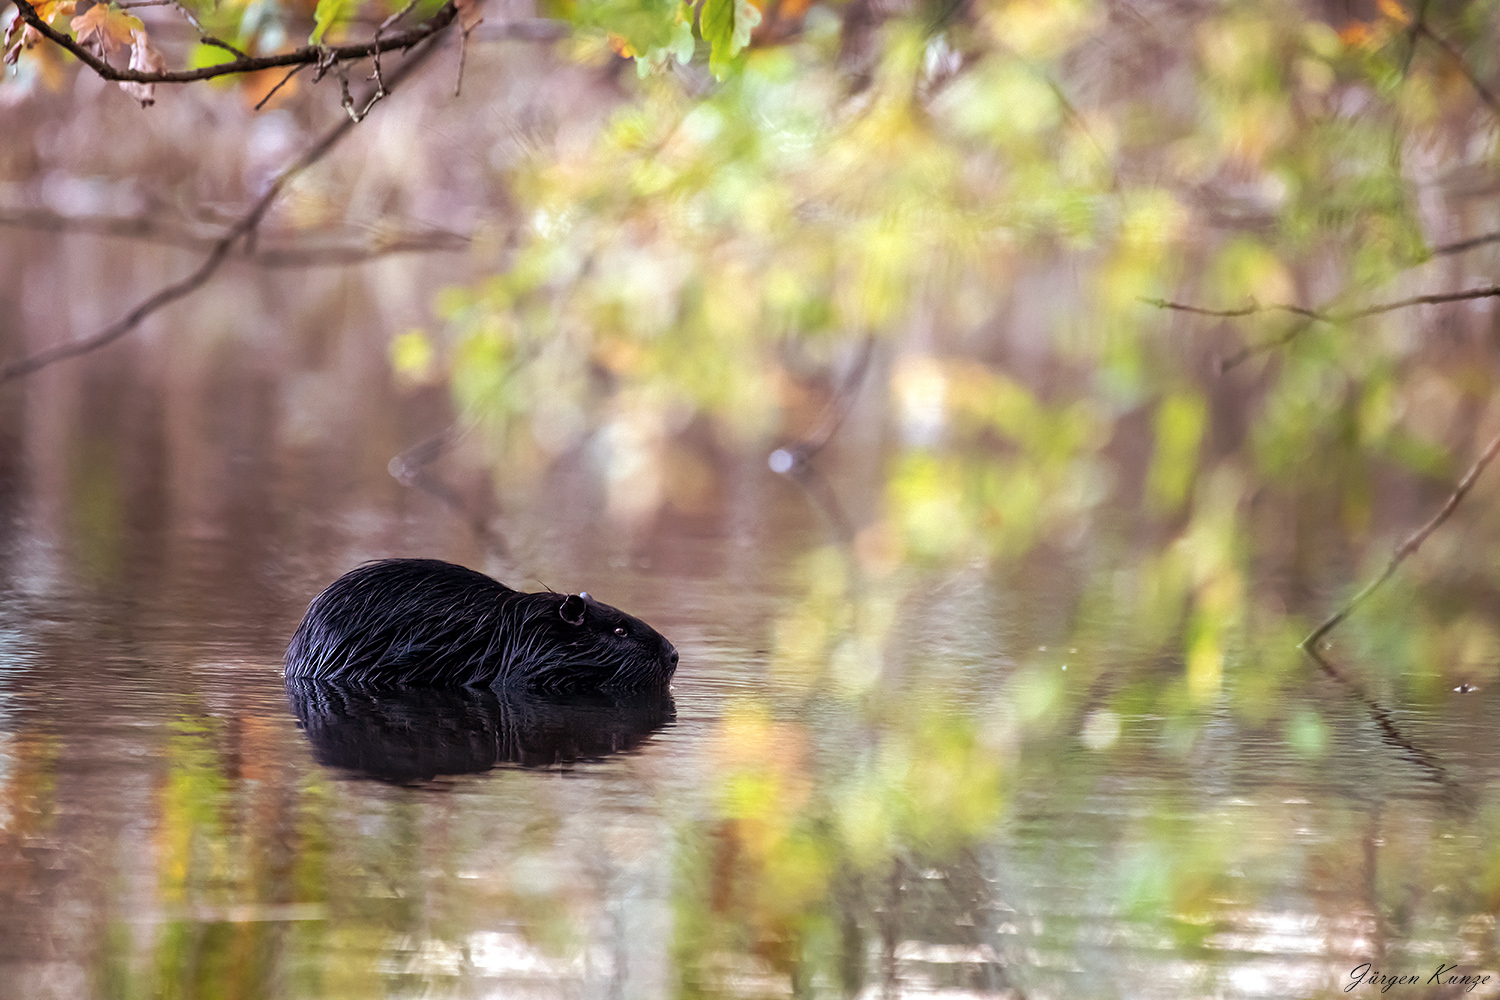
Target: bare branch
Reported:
[(1249, 310), (301, 254), (1251, 350), (1421, 30), (1394, 737), (306, 56), (1463, 245), (1407, 547), (243, 229), (203, 34), (793, 458), (1311, 316), (281, 83)]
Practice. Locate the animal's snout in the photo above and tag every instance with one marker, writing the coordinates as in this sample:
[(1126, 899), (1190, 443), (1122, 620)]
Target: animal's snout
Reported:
[(671, 656)]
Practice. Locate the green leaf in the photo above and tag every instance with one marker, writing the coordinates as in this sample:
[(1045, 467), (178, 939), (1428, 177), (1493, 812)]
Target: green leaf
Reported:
[(726, 26), (331, 15)]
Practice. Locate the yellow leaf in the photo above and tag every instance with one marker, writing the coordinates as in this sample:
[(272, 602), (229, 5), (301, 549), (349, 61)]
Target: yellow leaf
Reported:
[(48, 9)]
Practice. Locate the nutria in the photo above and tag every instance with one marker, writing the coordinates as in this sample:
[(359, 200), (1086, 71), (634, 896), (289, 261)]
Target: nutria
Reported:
[(426, 623)]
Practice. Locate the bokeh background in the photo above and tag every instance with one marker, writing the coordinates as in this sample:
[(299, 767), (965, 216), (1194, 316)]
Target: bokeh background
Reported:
[(840, 346)]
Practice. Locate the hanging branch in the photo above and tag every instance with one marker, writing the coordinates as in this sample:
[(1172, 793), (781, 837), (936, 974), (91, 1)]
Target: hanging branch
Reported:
[(792, 458), (243, 229), (311, 55), (1407, 547)]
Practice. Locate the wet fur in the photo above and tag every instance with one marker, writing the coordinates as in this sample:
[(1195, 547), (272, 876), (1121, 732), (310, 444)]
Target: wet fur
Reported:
[(426, 623)]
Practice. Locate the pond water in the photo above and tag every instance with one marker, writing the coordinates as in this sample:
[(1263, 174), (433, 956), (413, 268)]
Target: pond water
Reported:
[(945, 796)]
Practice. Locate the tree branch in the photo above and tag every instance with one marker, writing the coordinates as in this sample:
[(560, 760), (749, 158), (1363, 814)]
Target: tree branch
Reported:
[(308, 55), (1311, 316), (1421, 30), (1407, 547), (244, 228), (1344, 316), (1443, 249)]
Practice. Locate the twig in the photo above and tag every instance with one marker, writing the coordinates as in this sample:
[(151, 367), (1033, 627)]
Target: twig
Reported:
[(409, 468), (1407, 547), (1311, 316), (244, 228), (463, 55), (283, 82), (1249, 310), (311, 55), (295, 255), (203, 34), (1424, 759), (789, 460), (1463, 245), (395, 17), (1420, 29), (1251, 350)]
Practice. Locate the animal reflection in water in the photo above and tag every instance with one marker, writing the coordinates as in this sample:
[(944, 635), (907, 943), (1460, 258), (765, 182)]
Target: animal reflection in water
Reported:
[(413, 734)]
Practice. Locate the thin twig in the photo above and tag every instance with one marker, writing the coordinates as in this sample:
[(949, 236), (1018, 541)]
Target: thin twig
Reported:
[(1311, 316), (244, 228), (1251, 350), (1420, 29), (1424, 759), (395, 17), (203, 34), (300, 254), (1409, 546), (311, 55), (789, 460), (283, 82), (410, 469), (463, 56), (1463, 245), (1249, 310)]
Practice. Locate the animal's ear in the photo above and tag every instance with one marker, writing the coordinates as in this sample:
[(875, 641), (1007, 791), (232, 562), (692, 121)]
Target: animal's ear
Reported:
[(571, 609)]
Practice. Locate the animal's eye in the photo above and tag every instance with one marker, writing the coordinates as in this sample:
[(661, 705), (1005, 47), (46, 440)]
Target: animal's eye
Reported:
[(620, 630)]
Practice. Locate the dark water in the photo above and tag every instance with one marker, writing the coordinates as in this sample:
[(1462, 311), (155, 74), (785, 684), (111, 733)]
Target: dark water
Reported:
[(942, 794)]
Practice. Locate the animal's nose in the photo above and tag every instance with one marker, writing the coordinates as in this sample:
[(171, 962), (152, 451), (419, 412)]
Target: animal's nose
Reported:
[(672, 655)]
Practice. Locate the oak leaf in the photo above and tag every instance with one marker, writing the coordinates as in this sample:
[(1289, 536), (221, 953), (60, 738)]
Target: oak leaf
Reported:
[(105, 28)]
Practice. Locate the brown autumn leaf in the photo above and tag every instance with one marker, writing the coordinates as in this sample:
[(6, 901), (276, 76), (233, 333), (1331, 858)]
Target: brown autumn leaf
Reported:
[(144, 57), (44, 60), (105, 28), (20, 35)]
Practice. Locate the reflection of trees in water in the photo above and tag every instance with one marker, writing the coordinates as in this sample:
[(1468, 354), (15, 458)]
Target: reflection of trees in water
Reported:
[(411, 734)]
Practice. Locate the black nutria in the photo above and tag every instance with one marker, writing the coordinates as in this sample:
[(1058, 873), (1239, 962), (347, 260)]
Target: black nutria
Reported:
[(426, 623)]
